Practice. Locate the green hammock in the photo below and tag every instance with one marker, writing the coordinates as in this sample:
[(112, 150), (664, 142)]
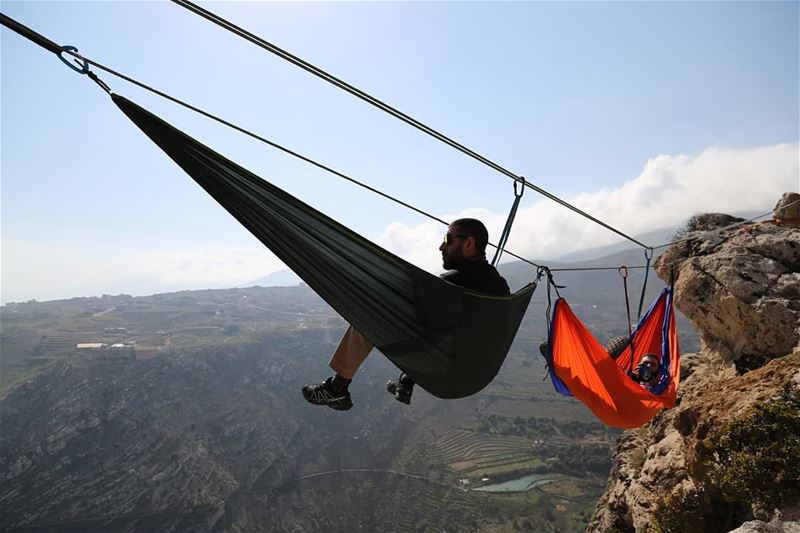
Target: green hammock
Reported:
[(451, 341)]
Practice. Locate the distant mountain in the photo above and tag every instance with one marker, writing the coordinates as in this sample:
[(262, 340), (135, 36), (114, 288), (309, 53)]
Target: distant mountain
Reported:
[(281, 278), (652, 238), (200, 426)]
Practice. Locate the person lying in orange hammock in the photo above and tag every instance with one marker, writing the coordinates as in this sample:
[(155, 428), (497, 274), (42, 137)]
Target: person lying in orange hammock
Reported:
[(618, 393)]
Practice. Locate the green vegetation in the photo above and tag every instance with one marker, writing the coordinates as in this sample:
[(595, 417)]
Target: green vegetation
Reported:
[(580, 459), (545, 509), (751, 465), (750, 468), (701, 510), (221, 369), (473, 456), (9, 380)]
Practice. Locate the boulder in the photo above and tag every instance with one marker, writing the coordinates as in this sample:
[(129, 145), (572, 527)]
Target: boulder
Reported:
[(787, 211), (740, 287)]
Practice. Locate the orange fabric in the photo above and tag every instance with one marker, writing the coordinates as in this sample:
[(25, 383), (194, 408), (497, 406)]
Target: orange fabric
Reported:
[(602, 383)]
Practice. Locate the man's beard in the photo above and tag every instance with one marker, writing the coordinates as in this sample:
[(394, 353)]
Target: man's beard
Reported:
[(452, 263)]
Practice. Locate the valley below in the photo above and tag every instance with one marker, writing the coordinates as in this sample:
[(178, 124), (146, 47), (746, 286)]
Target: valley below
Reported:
[(182, 412)]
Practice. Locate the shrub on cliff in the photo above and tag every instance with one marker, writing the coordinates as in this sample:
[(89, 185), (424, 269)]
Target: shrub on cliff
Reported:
[(700, 510), (752, 465), (757, 457)]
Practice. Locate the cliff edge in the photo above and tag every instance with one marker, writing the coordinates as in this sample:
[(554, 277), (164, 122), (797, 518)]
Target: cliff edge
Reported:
[(727, 457)]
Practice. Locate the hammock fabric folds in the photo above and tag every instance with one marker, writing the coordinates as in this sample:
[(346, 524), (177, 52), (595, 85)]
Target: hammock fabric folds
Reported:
[(580, 366), (451, 341)]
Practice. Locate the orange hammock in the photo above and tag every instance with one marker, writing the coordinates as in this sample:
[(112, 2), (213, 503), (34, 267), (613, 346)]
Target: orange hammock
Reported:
[(580, 366)]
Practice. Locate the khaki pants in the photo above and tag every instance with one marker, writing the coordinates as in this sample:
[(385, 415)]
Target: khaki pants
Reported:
[(353, 349)]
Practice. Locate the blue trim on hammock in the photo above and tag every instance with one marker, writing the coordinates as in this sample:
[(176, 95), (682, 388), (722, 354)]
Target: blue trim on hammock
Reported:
[(559, 385), (663, 372)]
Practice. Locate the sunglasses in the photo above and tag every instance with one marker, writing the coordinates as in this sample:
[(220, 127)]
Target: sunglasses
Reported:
[(448, 239)]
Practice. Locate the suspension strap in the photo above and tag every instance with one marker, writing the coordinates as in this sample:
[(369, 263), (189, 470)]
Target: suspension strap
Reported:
[(648, 255), (623, 271), (551, 285), (539, 273), (509, 221)]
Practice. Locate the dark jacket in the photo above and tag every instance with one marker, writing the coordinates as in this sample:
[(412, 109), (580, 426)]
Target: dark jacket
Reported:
[(478, 276)]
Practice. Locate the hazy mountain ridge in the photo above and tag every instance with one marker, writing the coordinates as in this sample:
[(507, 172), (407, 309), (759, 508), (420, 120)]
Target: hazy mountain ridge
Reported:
[(209, 432)]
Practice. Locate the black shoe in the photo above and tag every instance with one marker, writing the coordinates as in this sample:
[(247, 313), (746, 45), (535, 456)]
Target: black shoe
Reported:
[(401, 388), (323, 394)]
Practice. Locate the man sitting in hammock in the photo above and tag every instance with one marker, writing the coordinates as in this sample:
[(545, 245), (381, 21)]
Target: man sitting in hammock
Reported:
[(464, 256)]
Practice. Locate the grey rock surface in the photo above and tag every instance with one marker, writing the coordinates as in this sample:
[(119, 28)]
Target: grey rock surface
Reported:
[(741, 289), (773, 526), (787, 210)]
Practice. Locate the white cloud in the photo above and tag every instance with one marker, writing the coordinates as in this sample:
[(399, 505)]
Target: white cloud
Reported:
[(669, 190), (47, 271)]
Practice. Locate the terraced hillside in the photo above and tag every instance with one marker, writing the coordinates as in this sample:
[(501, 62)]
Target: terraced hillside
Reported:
[(221, 389), (473, 456)]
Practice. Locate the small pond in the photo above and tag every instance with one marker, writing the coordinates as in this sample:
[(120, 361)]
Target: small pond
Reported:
[(521, 484)]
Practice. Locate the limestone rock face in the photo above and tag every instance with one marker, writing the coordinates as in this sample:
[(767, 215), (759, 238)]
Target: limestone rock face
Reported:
[(787, 212), (773, 526), (741, 289), (665, 458)]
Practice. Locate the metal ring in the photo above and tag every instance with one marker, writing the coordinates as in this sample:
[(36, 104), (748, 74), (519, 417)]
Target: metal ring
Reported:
[(522, 189)]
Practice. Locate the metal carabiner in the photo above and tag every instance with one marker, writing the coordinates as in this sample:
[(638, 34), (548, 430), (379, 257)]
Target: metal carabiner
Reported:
[(522, 188), (82, 63)]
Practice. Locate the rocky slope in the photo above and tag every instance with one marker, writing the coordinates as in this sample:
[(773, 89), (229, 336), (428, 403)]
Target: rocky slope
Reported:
[(727, 457), (186, 442), (211, 432)]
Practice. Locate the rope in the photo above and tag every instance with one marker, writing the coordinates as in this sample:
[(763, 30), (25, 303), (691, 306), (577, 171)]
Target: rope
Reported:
[(28, 33), (509, 222), (551, 285), (86, 62), (648, 255), (275, 145), (582, 269), (49, 45), (623, 271), (308, 67), (40, 40)]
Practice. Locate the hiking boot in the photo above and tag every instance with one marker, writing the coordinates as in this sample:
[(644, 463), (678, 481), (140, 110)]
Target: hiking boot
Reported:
[(401, 388), (324, 394), (616, 345)]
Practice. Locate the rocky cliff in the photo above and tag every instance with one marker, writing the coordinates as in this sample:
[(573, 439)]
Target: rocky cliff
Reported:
[(727, 457)]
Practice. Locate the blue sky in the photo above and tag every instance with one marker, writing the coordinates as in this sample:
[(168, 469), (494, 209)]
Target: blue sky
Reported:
[(642, 113)]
